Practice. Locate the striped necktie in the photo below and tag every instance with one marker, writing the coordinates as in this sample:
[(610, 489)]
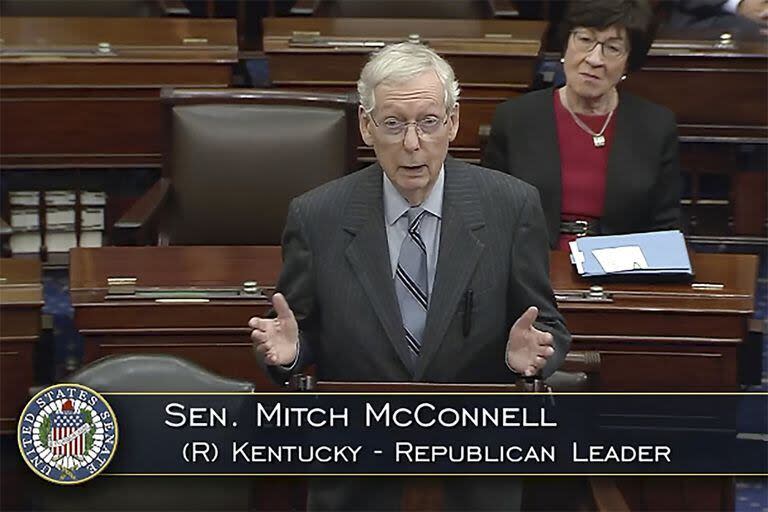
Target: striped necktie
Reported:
[(411, 281)]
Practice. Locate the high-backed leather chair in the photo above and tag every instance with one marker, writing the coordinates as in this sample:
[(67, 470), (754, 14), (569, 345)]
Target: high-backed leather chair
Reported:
[(234, 158), (159, 373), (153, 372)]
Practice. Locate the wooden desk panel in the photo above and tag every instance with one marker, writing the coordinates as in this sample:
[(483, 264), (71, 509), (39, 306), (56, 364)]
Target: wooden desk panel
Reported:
[(494, 60), (715, 91), (21, 302), (665, 336), (85, 91), (647, 327), (214, 335)]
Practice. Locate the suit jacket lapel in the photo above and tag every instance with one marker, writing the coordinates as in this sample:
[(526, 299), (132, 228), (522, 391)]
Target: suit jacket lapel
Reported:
[(368, 253), (459, 253)]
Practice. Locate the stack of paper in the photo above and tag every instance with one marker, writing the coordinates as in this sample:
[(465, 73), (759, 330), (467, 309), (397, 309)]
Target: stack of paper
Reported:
[(25, 220), (654, 253)]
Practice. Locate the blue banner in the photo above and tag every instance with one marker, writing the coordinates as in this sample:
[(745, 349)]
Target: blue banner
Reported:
[(496, 433)]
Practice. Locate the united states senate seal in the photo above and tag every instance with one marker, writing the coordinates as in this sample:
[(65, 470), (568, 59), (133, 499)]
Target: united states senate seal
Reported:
[(67, 434)]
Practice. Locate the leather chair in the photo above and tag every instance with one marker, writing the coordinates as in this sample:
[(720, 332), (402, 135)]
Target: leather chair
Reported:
[(153, 372), (454, 9), (93, 8), (159, 373), (233, 160)]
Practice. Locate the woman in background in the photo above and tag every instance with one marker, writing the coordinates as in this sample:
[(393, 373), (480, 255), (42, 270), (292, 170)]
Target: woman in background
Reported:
[(604, 161)]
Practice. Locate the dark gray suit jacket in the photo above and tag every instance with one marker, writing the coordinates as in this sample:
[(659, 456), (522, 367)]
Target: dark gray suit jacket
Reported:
[(337, 278), (643, 182)]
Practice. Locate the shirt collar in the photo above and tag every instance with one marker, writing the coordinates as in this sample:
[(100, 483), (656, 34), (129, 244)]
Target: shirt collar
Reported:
[(395, 205)]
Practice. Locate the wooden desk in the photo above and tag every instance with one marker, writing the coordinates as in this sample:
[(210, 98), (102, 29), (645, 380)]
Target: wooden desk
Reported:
[(651, 337), (21, 302), (664, 336), (214, 334), (718, 92), (718, 89), (85, 92), (494, 60), (694, 333)]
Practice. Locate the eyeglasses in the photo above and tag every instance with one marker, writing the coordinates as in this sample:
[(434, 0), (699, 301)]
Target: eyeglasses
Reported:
[(585, 41), (426, 128)]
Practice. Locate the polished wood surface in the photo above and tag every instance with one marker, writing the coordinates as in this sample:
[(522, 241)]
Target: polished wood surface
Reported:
[(494, 60), (694, 332), (21, 302), (84, 92), (717, 89), (214, 334), (664, 336), (660, 336)]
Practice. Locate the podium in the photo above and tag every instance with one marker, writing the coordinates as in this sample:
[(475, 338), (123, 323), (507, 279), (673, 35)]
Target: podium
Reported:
[(21, 303), (427, 492)]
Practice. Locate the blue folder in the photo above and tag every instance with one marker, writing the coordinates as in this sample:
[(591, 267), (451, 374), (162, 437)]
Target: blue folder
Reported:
[(664, 254)]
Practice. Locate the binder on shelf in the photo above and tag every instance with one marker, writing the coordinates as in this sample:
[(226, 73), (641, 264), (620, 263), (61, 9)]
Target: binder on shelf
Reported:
[(653, 254)]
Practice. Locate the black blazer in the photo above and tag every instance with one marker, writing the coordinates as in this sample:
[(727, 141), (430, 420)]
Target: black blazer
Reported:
[(643, 180)]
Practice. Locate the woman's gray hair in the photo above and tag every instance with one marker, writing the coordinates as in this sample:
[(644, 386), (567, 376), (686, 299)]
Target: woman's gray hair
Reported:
[(397, 63)]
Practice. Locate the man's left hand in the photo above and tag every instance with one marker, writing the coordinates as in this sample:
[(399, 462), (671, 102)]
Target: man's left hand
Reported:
[(527, 347)]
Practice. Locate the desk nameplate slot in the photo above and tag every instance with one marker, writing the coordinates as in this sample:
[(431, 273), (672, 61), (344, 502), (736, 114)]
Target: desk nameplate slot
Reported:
[(189, 295)]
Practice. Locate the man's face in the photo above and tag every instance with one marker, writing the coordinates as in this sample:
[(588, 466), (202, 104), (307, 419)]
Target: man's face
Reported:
[(411, 158)]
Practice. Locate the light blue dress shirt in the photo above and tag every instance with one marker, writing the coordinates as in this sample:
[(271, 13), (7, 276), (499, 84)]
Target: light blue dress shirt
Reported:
[(395, 206)]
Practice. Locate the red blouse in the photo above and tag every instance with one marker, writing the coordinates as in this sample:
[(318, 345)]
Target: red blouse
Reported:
[(583, 167)]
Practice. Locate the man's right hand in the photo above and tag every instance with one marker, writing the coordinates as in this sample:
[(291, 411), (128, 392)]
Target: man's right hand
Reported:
[(276, 339)]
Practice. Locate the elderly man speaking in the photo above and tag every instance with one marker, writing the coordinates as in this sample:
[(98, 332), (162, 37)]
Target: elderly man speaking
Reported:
[(418, 268)]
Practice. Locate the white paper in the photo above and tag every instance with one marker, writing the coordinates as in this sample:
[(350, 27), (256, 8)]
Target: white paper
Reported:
[(60, 217), (92, 218), (25, 197), (60, 241), (577, 257), (60, 197), (90, 239), (93, 198), (621, 259), (25, 219), (25, 243)]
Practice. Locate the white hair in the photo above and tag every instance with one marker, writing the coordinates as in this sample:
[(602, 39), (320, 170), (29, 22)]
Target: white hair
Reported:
[(397, 63)]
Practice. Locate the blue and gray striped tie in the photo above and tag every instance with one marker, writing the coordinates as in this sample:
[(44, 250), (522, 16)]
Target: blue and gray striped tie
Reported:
[(411, 281)]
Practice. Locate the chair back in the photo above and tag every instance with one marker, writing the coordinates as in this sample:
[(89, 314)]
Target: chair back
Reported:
[(236, 158), (153, 372), (158, 373)]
